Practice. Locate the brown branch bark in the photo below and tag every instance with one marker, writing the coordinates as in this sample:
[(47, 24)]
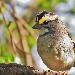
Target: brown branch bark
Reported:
[(17, 69)]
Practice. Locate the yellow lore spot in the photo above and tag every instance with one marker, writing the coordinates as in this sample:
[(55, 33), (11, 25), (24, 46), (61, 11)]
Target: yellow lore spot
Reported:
[(43, 19)]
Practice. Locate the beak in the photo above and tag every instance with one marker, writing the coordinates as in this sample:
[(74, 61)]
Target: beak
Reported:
[(36, 26)]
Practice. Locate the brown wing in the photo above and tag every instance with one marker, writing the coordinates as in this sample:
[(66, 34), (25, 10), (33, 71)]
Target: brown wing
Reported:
[(73, 42)]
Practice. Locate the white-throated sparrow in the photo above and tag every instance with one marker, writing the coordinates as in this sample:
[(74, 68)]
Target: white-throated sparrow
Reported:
[(54, 45)]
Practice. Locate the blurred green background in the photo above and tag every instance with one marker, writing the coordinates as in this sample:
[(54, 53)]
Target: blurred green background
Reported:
[(17, 38)]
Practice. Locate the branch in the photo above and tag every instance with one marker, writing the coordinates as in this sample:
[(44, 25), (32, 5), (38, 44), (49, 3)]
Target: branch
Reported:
[(17, 69)]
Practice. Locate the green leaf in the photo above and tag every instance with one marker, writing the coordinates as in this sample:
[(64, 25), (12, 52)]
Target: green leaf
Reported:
[(2, 60), (31, 41)]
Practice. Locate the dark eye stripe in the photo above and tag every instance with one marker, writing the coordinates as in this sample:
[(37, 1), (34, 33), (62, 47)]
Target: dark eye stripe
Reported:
[(45, 22), (39, 16)]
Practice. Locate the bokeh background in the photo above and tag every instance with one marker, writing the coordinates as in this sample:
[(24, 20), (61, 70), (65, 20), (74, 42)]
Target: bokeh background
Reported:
[(17, 38)]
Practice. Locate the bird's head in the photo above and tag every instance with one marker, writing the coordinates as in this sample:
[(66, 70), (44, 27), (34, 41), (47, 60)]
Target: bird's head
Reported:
[(43, 20)]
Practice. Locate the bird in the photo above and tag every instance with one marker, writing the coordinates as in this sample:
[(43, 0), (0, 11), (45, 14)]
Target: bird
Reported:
[(54, 44)]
